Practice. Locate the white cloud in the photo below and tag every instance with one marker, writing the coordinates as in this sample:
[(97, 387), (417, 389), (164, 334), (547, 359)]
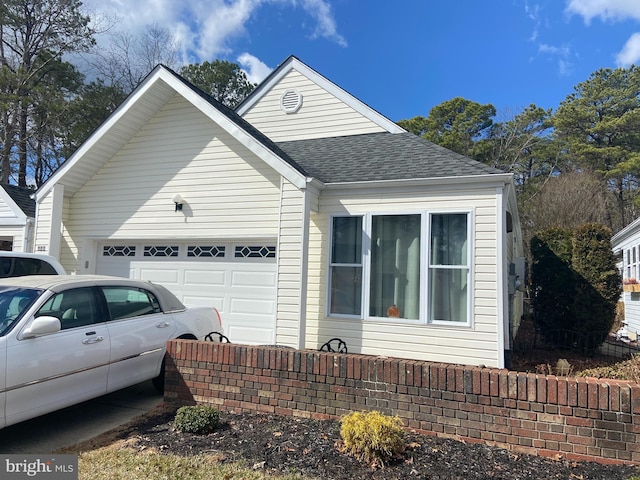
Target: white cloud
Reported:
[(563, 51), (256, 70), (563, 55), (606, 10), (630, 53), (206, 29), (326, 28)]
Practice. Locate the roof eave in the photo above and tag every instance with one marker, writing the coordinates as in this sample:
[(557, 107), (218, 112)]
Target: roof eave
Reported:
[(488, 180)]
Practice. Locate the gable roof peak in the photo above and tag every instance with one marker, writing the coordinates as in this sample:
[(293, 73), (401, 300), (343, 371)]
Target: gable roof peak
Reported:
[(293, 63)]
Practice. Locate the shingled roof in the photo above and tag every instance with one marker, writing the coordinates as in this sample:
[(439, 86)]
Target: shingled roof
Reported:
[(379, 156), (22, 197)]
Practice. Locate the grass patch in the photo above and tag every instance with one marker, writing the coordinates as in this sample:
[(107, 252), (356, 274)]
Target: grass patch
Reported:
[(126, 464)]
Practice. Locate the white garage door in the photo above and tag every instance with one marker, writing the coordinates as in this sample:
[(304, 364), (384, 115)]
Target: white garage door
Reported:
[(238, 279)]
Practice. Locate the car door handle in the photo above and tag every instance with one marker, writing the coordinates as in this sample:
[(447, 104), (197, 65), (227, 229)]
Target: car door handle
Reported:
[(163, 324), (89, 341)]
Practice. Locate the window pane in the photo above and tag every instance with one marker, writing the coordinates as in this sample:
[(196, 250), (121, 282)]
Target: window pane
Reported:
[(448, 269), (346, 290), (125, 302), (394, 288), (448, 295), (347, 240), (74, 308), (449, 239)]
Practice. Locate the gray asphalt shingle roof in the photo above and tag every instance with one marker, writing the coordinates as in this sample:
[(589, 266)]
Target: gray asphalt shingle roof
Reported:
[(22, 197), (379, 156)]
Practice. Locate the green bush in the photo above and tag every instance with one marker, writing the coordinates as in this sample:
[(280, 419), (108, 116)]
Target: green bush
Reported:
[(575, 285), (198, 419), (372, 437)]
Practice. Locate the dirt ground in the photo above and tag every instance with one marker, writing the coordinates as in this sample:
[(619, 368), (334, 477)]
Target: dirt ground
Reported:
[(277, 444)]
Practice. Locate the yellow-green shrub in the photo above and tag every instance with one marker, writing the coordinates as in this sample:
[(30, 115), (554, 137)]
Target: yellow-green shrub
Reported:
[(372, 437)]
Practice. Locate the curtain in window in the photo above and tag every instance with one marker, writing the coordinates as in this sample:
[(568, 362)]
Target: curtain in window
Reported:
[(449, 270), (395, 266)]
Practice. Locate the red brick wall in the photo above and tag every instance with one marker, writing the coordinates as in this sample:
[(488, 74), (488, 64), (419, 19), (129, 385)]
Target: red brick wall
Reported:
[(577, 418)]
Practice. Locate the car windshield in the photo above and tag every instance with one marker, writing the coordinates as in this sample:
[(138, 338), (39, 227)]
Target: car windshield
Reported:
[(14, 302)]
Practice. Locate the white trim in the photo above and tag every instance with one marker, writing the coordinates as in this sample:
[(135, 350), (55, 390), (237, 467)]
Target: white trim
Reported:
[(304, 270), (501, 286), (625, 233), (292, 63), (489, 180), (470, 266), (55, 232)]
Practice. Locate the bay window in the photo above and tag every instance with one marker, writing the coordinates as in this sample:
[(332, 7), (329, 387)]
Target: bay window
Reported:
[(409, 266)]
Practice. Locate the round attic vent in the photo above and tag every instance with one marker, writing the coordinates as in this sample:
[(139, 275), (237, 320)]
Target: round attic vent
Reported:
[(291, 101)]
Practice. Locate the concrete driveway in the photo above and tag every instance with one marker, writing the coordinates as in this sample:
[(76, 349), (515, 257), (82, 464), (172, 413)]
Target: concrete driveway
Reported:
[(80, 422)]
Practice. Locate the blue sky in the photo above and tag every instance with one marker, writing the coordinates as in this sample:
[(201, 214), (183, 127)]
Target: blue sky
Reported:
[(404, 57)]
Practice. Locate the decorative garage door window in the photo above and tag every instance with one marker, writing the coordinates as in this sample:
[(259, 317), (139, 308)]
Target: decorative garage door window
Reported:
[(161, 251), (238, 252), (205, 251), (262, 251), (118, 251)]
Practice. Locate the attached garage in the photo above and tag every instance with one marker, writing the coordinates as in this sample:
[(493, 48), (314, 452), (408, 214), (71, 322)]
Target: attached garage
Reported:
[(239, 279)]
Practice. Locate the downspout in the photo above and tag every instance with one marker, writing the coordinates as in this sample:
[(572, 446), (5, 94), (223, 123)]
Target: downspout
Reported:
[(27, 241), (55, 234)]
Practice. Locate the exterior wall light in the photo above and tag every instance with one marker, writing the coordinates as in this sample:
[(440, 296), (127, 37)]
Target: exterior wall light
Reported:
[(179, 201)]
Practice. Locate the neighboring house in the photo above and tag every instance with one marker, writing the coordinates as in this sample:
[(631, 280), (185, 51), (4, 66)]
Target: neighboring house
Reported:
[(626, 245), (302, 215), (17, 214)]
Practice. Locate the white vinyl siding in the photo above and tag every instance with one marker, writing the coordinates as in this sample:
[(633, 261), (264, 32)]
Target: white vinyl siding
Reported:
[(15, 235), (473, 345), (321, 114), (229, 192), (13, 227)]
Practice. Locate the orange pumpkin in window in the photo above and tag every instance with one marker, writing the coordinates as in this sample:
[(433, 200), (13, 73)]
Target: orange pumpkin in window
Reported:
[(393, 311)]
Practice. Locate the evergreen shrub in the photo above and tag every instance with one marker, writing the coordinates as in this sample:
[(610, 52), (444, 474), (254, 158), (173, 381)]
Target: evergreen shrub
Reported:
[(575, 285), (200, 419)]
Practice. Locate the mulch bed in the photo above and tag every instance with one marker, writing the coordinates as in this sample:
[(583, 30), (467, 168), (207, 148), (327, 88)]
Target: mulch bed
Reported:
[(279, 444)]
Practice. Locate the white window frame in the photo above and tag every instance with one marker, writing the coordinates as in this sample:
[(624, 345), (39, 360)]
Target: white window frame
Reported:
[(330, 266), (470, 264), (425, 245)]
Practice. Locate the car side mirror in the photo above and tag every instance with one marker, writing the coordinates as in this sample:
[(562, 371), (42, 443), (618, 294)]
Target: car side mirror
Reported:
[(41, 326)]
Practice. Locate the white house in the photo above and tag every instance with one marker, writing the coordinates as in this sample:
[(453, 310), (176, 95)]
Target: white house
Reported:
[(626, 244), (17, 215), (302, 215)]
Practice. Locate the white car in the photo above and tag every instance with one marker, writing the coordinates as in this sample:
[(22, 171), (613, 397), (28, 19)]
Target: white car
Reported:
[(17, 264), (65, 339)]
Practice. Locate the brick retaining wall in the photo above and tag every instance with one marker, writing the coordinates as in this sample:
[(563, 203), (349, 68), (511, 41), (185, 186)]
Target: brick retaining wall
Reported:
[(577, 418)]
